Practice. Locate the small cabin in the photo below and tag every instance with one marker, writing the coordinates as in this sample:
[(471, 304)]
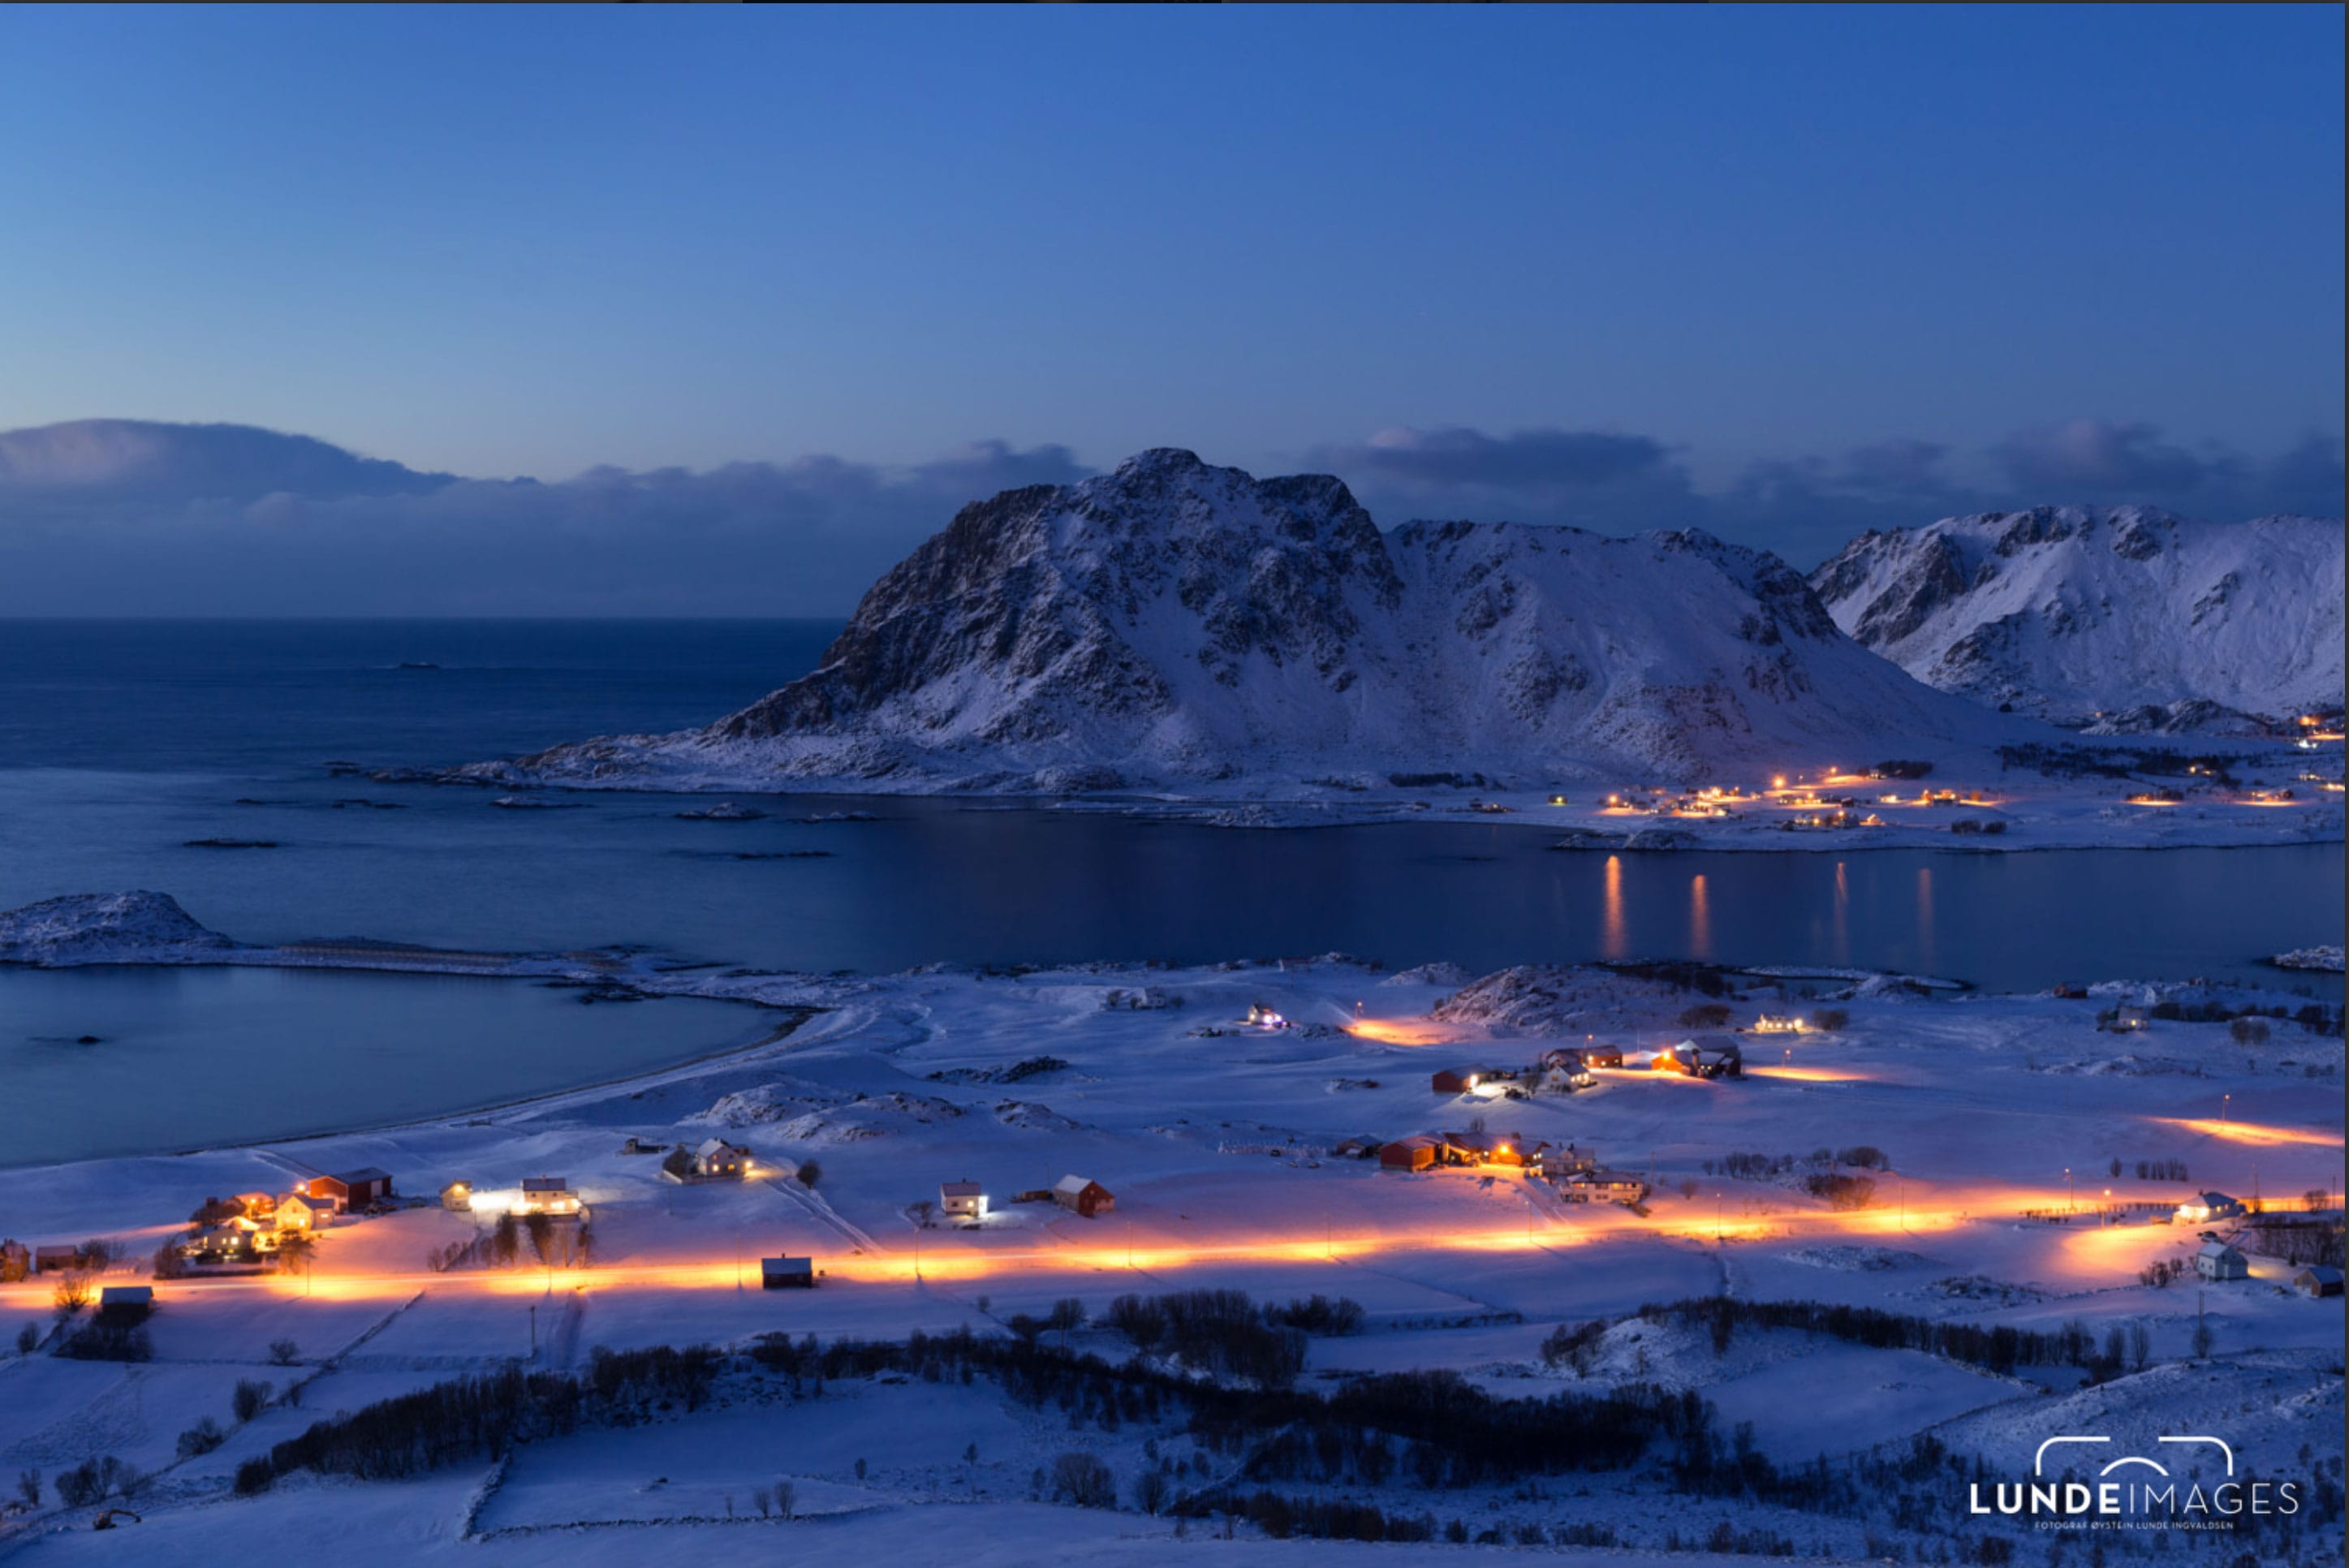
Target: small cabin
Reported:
[(295, 1212), (2317, 1281), (1264, 1017), (2128, 1018), (547, 1195), (1080, 1196), (962, 1199), (458, 1196), (15, 1260), (1603, 1056), (2217, 1260), (1453, 1080), (786, 1274), (57, 1260), (2205, 1207)]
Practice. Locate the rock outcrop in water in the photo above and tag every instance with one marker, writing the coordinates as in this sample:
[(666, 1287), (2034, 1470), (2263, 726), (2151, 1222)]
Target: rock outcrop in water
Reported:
[(104, 928), (1175, 624)]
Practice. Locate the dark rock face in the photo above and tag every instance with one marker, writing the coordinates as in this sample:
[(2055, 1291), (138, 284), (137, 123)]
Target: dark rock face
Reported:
[(1001, 589)]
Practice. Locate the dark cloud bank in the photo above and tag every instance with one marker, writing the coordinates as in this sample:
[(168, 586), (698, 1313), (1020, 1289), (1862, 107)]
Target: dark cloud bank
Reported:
[(119, 517)]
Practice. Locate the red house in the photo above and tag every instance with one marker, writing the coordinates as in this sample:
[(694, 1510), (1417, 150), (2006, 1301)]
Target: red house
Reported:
[(350, 1189)]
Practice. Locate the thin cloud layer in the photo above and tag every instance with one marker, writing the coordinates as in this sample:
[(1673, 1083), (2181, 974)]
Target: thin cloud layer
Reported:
[(99, 522), (121, 518), (1806, 508)]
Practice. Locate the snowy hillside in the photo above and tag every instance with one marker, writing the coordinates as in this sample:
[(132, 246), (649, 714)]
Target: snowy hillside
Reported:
[(1176, 624), (2072, 612)]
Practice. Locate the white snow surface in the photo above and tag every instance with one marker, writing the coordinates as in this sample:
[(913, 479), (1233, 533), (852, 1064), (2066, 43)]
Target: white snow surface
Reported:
[(2127, 616), (1217, 1151)]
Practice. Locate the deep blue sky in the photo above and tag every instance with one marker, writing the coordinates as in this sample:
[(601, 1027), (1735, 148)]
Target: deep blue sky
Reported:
[(1912, 257)]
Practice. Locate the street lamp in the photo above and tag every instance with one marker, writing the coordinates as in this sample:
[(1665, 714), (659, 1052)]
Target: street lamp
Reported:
[(2067, 1189), (2223, 1100)]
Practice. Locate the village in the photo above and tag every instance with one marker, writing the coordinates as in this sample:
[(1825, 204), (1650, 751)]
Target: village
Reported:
[(1461, 1168)]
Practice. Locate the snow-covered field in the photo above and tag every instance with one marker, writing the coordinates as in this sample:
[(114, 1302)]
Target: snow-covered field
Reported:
[(2006, 1124)]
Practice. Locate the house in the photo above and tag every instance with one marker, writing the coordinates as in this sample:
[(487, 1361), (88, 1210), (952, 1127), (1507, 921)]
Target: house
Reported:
[(1777, 1023), (2128, 1018), (1083, 1197), (1709, 1057), (2317, 1280), (1563, 1072), (1414, 1153), (457, 1195), (2217, 1260), (715, 1159), (125, 1304), (1451, 1080), (1603, 1056), (15, 1260), (787, 1273), (295, 1212), (1596, 1185), (349, 1190), (2205, 1207), (962, 1199), (258, 1206), (547, 1195), (57, 1260), (1264, 1017)]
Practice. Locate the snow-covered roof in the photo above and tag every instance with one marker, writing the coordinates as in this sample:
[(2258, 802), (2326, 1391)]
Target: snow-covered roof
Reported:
[(1071, 1185), (710, 1146), (546, 1183), (2214, 1200), (364, 1173), (2322, 1273), (2218, 1249), (966, 1189)]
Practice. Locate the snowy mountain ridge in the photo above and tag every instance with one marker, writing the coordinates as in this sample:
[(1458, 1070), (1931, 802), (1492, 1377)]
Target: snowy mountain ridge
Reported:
[(1173, 624), (2118, 617)]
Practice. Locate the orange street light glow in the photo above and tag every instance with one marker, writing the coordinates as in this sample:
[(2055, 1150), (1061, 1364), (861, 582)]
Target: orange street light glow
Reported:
[(1807, 1075), (2252, 1132)]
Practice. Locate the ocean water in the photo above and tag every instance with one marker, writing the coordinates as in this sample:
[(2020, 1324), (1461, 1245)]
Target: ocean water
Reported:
[(122, 741)]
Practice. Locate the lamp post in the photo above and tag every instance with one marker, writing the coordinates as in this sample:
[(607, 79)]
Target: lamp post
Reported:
[(2223, 1101), (2067, 1189)]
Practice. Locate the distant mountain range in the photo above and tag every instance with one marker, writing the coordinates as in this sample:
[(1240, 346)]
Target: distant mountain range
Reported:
[(1173, 624), (2117, 618)]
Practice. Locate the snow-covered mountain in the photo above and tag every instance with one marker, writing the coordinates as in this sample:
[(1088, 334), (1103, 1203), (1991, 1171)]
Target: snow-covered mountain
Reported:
[(1175, 624), (2126, 617)]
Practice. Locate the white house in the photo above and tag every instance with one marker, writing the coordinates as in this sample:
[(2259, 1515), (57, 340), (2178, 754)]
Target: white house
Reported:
[(714, 1158), (2205, 1207), (2217, 1260), (962, 1199), (547, 1195)]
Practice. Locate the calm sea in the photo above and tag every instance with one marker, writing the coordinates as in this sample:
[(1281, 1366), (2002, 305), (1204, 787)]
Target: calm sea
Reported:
[(121, 741)]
